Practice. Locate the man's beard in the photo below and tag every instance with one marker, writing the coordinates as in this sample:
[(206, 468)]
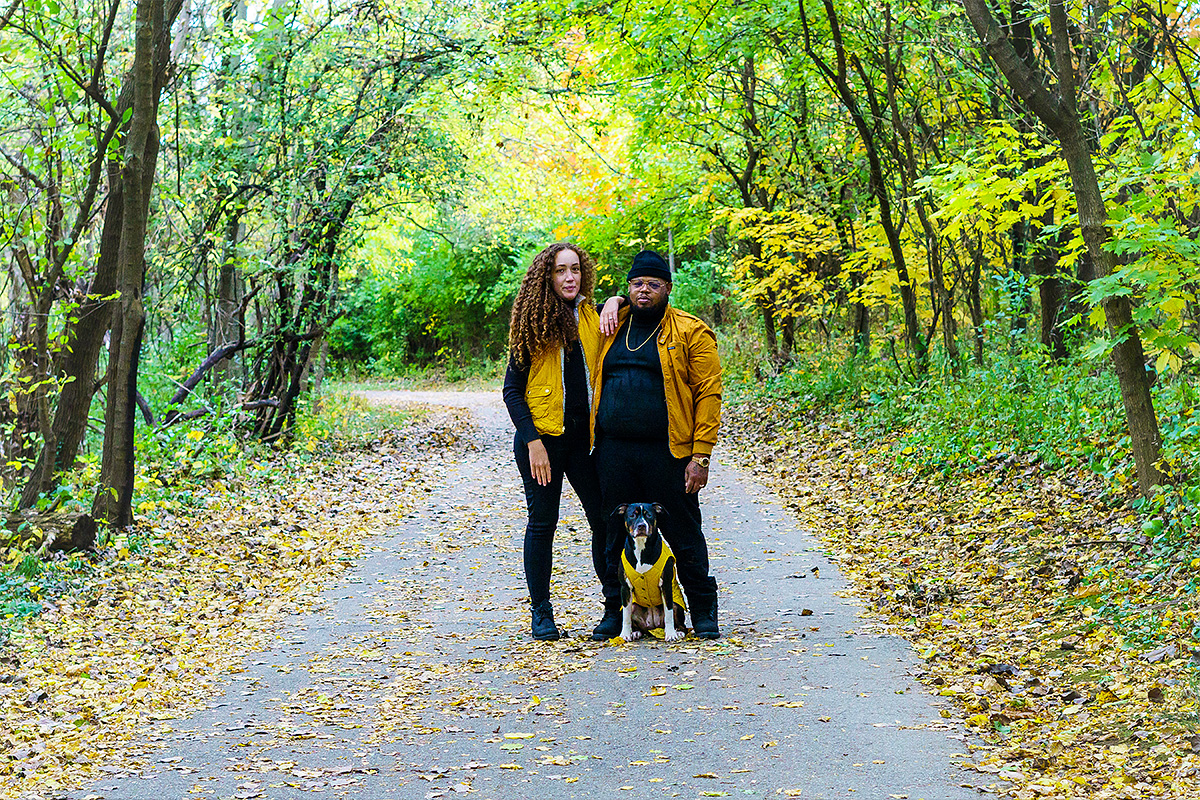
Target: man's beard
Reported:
[(651, 314)]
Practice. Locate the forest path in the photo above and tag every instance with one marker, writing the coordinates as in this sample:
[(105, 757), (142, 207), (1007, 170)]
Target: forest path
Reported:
[(416, 676)]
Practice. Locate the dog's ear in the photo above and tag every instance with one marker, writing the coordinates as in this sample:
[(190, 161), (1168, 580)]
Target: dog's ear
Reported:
[(659, 510), (620, 510)]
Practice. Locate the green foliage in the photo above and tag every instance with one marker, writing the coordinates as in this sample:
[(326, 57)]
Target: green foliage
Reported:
[(26, 581), (1021, 405), (699, 287), (187, 465), (442, 305), (1020, 408), (178, 464), (810, 385), (792, 263), (469, 375)]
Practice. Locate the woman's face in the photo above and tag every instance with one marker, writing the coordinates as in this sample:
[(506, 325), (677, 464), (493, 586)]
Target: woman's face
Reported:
[(567, 275)]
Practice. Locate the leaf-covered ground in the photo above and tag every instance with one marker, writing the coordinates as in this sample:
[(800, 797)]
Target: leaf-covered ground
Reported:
[(1058, 640), (413, 675), (99, 676), (1059, 653)]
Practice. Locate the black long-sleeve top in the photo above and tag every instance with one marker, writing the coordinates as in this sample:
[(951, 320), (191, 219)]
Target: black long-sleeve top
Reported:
[(633, 402)]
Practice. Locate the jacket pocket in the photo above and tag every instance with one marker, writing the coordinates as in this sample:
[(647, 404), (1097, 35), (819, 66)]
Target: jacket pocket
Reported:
[(538, 400), (546, 418), (678, 358)]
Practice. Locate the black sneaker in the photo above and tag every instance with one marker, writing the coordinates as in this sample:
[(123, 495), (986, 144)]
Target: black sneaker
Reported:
[(704, 620), (544, 629), (610, 625)]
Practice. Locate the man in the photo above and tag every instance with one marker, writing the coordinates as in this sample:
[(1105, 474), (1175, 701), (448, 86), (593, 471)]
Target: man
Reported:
[(657, 414)]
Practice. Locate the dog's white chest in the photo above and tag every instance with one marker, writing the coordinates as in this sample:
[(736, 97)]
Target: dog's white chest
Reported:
[(641, 566)]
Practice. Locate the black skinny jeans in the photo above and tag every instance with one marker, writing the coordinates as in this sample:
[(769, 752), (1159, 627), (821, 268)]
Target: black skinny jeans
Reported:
[(568, 456), (646, 472)]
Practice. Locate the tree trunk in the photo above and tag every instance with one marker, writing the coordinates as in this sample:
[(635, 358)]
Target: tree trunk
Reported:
[(716, 240), (769, 331), (1128, 357), (323, 352), (1052, 298), (227, 326), (77, 361), (766, 306), (1061, 115), (84, 333), (44, 367), (114, 498), (304, 322), (943, 293), (977, 309), (20, 415), (860, 314), (838, 81), (1019, 300), (319, 370), (908, 295), (789, 338)]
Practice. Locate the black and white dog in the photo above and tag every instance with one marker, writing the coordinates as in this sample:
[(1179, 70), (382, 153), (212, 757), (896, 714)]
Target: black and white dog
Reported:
[(651, 596)]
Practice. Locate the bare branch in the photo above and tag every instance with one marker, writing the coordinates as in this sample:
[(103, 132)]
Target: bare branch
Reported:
[(186, 388)]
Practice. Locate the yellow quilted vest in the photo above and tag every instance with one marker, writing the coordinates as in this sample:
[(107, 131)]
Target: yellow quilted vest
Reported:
[(544, 391)]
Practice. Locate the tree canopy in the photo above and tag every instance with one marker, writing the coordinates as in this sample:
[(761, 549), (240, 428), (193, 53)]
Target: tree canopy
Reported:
[(277, 183)]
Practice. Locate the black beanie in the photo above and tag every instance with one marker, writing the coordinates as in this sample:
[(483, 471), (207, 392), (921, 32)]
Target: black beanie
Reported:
[(649, 264)]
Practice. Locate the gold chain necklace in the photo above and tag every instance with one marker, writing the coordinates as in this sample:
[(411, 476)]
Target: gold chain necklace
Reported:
[(653, 333)]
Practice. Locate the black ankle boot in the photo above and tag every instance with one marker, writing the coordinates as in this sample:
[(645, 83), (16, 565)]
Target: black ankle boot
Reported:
[(544, 629), (610, 625), (704, 619)]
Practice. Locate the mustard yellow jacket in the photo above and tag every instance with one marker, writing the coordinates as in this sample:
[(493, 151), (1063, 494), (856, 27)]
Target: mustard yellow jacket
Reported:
[(544, 390), (687, 350)]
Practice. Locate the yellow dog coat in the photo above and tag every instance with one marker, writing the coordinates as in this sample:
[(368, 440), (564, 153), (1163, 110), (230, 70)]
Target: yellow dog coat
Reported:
[(647, 586)]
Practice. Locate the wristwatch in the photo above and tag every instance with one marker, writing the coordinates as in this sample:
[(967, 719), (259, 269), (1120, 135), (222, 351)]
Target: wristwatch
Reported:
[(701, 461)]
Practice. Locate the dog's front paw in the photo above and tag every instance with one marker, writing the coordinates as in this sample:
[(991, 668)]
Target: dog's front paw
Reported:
[(631, 635), (673, 636)]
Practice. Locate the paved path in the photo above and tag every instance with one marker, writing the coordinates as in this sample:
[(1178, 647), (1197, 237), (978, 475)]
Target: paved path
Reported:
[(416, 677)]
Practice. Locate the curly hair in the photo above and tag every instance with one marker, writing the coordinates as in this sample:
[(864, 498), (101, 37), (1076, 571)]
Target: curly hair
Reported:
[(540, 318)]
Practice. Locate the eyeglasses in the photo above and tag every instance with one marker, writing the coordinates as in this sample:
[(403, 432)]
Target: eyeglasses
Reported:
[(654, 286)]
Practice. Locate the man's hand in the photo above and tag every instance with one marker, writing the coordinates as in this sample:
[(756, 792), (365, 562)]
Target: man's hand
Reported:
[(695, 477), (539, 462), (608, 315)]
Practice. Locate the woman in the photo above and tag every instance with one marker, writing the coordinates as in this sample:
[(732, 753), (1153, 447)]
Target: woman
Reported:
[(554, 349)]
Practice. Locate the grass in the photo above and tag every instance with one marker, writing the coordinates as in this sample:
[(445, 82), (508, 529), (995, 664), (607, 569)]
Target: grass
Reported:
[(471, 376), (1017, 405)]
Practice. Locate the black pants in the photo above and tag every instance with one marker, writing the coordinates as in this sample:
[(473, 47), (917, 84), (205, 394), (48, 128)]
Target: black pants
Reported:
[(646, 472), (568, 456)]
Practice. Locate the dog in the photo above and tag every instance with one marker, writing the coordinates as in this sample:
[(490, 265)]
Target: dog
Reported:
[(651, 596)]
